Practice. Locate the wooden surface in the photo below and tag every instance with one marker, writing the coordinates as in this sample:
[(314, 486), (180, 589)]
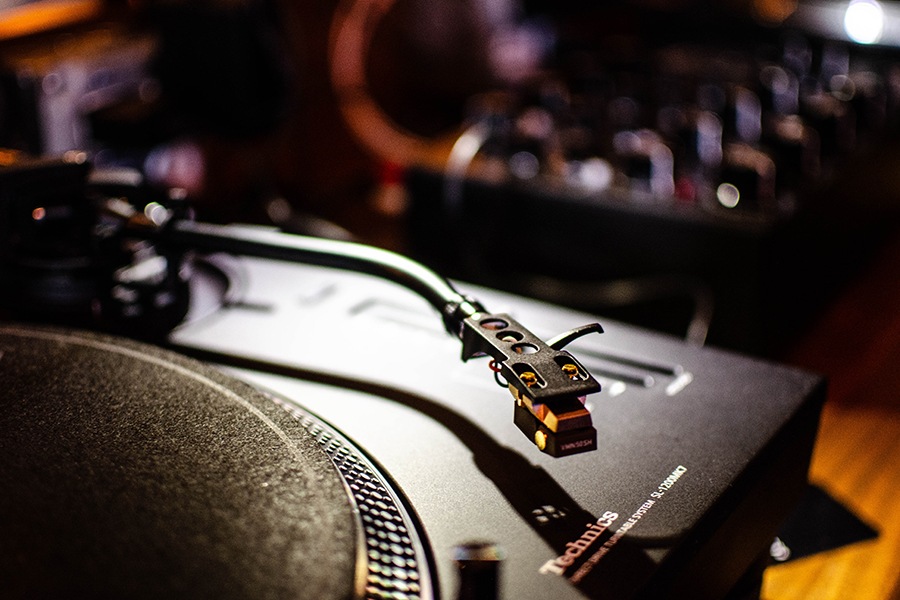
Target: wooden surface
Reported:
[(856, 343)]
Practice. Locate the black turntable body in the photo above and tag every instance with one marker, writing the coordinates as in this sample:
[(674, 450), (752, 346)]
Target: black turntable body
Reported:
[(347, 452)]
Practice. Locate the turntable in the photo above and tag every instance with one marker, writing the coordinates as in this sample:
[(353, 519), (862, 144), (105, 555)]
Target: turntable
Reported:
[(324, 440)]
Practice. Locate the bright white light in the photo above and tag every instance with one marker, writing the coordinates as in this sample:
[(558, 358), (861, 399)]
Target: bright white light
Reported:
[(728, 195), (864, 21)]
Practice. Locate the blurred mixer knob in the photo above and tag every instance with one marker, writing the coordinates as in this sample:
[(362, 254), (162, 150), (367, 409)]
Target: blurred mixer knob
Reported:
[(747, 179), (795, 148), (646, 161)]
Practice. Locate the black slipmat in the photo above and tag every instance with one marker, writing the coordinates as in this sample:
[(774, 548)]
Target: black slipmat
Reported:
[(130, 472)]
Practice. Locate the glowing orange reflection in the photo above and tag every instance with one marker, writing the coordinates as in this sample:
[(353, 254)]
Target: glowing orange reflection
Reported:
[(31, 18)]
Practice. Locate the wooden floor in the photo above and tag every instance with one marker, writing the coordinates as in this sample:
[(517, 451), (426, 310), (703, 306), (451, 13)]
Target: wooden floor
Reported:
[(856, 343)]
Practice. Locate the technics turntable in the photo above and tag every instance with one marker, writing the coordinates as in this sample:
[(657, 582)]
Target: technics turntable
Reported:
[(349, 453)]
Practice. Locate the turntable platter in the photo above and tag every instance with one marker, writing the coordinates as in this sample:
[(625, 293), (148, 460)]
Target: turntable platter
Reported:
[(128, 471)]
